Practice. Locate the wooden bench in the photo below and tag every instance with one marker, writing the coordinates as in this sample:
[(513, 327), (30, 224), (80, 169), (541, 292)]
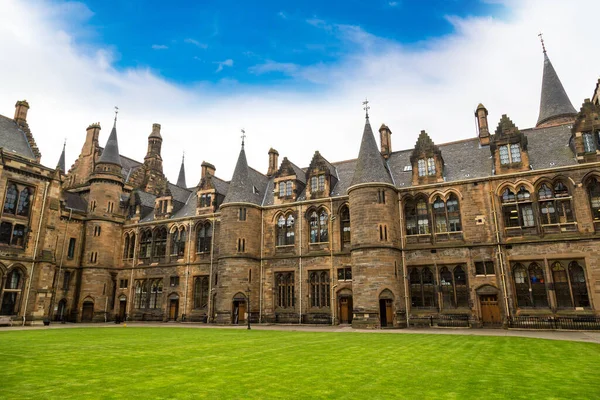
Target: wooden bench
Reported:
[(5, 321)]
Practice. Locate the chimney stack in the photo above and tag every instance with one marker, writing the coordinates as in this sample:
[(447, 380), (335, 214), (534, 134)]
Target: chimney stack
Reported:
[(207, 169), (385, 136), (21, 110), (273, 162), (481, 114)]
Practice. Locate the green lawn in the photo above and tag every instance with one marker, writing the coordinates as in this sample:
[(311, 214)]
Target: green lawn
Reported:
[(151, 363)]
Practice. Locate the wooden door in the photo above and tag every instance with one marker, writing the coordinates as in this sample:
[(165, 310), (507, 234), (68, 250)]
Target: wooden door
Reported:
[(122, 309), (389, 313), (173, 306), (344, 310), (87, 314), (242, 311), (490, 311)]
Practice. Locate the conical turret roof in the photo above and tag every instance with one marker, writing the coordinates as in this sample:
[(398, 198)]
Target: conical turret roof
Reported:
[(241, 187), (61, 161), (554, 102), (370, 166), (110, 155), (181, 177)]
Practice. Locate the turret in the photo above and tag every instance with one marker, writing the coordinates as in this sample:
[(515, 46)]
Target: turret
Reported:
[(181, 177), (273, 161), (385, 138), (153, 159), (481, 114)]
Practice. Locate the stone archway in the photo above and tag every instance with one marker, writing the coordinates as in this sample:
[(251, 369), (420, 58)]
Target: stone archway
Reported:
[(345, 306), (239, 309), (386, 308), (490, 312)]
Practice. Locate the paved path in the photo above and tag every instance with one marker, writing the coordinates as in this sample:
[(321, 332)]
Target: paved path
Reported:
[(577, 336)]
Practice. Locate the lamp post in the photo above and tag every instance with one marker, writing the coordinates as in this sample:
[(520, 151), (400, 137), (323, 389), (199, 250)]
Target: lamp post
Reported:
[(248, 298)]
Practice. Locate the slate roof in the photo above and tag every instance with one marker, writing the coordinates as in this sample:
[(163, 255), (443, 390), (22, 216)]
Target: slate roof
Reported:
[(61, 161), (76, 202), (110, 155), (554, 100), (13, 139), (370, 165), (220, 185), (244, 182), (181, 177)]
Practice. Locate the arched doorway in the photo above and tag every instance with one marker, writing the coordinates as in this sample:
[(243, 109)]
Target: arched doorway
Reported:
[(345, 306), (238, 314), (491, 314), (61, 311), (386, 308), (173, 307), (122, 308), (87, 312)]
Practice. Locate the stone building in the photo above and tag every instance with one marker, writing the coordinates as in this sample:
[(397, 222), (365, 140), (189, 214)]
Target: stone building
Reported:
[(485, 230)]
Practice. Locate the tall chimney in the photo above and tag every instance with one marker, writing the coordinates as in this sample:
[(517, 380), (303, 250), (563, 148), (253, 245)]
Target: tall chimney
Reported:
[(482, 125), (21, 110), (273, 161), (385, 136), (207, 169)]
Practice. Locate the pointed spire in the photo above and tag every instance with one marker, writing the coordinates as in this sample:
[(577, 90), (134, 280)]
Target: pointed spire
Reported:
[(370, 166), (61, 161), (554, 102), (181, 177), (241, 187), (110, 154)]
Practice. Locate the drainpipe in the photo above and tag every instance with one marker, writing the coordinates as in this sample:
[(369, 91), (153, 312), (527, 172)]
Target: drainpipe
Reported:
[(500, 255), (404, 268), (134, 263), (332, 302), (187, 269), (260, 282), (300, 217), (35, 251), (62, 257), (210, 278)]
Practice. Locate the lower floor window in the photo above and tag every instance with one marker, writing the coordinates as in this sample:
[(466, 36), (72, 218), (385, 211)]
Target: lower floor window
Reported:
[(285, 289), (148, 293), (319, 288), (201, 292)]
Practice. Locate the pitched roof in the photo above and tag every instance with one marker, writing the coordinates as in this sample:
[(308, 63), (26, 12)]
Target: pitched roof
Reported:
[(13, 139), (242, 185), (110, 155), (554, 102), (181, 177), (61, 161), (370, 166)]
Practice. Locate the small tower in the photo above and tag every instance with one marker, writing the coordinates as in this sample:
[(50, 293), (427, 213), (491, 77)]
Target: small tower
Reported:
[(239, 248), (375, 236), (60, 166), (181, 177), (153, 158), (481, 114), (385, 138), (273, 162)]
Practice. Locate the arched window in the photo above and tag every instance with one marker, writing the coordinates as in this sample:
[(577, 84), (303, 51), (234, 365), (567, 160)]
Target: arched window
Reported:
[(578, 285), (18, 235), (138, 294), (530, 286), (460, 287), (178, 238), (285, 230), (203, 237), (410, 216), (126, 246), (593, 188), (517, 210), (201, 292), (422, 218), (555, 204), (159, 245), (561, 286), (345, 226), (455, 292), (285, 289), (422, 292), (447, 215), (12, 292), (318, 223), (146, 243), (24, 202), (319, 288), (10, 200), (156, 290), (447, 288), (131, 245)]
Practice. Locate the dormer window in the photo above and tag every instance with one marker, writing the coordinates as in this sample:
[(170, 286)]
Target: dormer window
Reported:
[(205, 200), (426, 167), (510, 154), (285, 188), (430, 166), (317, 183), (589, 142)]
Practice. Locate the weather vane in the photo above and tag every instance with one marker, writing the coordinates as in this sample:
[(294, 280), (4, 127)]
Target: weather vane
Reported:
[(541, 35), (366, 107), (116, 112), (243, 137)]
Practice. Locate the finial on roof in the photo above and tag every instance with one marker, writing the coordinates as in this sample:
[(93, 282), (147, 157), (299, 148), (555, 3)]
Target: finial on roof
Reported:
[(243, 137), (116, 112), (366, 108), (541, 35), (181, 177)]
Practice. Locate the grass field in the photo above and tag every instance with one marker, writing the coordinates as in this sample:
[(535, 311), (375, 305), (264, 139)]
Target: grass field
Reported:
[(151, 363)]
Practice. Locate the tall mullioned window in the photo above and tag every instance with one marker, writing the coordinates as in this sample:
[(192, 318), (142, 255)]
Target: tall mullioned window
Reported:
[(422, 288), (447, 215), (201, 292), (318, 225), (285, 230), (345, 226), (530, 286), (416, 214), (517, 209), (284, 283), (510, 154), (203, 237), (319, 289), (555, 204)]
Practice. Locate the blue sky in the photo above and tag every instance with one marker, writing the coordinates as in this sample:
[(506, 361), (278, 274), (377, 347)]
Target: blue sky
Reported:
[(292, 74), (210, 41)]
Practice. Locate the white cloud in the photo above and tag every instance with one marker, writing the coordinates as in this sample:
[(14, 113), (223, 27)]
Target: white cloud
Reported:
[(393, 4), (433, 86), (196, 43), (282, 15), (159, 47), (221, 64), (272, 66)]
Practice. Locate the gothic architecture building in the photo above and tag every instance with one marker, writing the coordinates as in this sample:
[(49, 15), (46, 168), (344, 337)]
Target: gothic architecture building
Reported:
[(487, 230)]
